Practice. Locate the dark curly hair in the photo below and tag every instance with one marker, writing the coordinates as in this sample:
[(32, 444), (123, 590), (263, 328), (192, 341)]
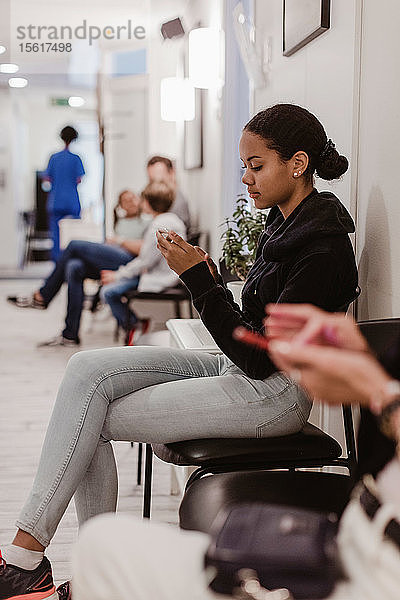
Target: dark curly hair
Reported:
[(68, 134), (288, 128)]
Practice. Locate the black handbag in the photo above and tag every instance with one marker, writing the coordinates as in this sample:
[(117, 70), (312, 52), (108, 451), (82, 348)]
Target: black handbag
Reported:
[(286, 547)]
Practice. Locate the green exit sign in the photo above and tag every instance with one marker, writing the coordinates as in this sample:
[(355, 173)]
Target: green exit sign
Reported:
[(59, 102)]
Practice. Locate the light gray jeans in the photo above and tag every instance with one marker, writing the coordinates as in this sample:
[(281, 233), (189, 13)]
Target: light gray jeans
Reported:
[(145, 394)]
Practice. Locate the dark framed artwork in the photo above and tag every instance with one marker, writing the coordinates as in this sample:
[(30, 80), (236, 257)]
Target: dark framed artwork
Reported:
[(303, 21), (193, 136)]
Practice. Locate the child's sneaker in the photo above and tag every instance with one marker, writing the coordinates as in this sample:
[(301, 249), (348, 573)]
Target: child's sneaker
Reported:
[(141, 327)]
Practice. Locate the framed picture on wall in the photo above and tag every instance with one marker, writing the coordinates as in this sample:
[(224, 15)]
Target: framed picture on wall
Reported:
[(193, 137), (303, 21)]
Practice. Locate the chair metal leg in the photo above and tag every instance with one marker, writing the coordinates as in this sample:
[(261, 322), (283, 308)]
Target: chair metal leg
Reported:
[(178, 309), (350, 438), (139, 463), (148, 472)]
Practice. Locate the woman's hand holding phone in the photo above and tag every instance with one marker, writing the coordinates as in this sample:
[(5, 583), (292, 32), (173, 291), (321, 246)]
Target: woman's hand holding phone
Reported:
[(164, 232), (179, 255)]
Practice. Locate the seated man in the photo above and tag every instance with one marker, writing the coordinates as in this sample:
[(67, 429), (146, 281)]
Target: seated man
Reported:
[(81, 260), (331, 359), (160, 168), (148, 271)]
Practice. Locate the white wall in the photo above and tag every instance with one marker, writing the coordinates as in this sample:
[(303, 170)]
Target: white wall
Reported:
[(166, 58), (31, 128), (319, 77), (378, 189), (322, 77), (8, 220), (125, 119), (44, 123), (204, 186)]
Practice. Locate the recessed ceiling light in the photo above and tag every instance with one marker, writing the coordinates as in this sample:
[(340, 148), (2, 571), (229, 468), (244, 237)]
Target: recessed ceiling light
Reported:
[(2, 49), (8, 68), (17, 82), (76, 101)]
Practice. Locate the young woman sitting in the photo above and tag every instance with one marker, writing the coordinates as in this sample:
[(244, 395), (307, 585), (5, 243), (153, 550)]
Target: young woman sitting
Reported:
[(164, 395)]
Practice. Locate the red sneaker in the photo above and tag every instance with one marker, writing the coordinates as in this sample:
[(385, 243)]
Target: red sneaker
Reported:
[(141, 327)]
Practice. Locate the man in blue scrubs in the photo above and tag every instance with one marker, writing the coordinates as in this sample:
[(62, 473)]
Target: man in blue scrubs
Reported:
[(64, 172)]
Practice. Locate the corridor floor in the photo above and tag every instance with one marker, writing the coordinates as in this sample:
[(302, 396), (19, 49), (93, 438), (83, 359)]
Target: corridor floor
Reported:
[(30, 377)]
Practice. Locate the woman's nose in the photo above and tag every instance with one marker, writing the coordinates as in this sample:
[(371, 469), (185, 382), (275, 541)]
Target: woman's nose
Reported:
[(247, 179)]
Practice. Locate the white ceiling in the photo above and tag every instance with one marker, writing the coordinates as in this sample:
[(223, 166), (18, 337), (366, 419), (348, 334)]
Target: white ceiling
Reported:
[(53, 68)]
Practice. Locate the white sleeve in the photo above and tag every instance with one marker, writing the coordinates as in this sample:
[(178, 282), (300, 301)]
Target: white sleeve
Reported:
[(148, 256)]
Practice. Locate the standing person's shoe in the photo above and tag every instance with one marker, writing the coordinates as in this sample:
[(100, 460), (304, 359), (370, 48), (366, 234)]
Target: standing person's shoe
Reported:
[(59, 340), (140, 328), (21, 584), (27, 302)]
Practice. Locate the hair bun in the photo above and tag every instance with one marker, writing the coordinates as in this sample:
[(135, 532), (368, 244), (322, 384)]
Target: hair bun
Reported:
[(331, 164)]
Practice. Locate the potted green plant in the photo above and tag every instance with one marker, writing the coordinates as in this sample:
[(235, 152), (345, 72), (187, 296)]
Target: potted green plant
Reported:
[(241, 236)]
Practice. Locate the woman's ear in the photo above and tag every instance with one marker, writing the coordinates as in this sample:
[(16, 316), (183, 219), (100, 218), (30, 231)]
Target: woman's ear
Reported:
[(300, 162)]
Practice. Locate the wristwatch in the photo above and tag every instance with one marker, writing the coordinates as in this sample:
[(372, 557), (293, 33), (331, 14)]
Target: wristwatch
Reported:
[(389, 418)]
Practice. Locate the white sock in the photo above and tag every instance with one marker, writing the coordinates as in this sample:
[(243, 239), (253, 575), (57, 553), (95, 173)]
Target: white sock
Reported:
[(21, 557)]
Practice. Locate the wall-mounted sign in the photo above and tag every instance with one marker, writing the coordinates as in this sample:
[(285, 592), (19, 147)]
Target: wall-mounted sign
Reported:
[(59, 101)]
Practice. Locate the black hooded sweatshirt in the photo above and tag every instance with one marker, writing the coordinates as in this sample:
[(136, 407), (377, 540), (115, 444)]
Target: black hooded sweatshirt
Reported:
[(306, 258)]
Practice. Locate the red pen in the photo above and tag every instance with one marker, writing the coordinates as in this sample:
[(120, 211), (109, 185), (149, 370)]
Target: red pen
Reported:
[(249, 337)]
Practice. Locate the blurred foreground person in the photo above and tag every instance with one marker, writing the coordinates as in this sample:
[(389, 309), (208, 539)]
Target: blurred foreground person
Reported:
[(331, 359)]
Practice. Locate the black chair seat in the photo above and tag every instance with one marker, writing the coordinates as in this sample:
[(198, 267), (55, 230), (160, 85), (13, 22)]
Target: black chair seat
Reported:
[(172, 293), (380, 333), (176, 294), (317, 491), (299, 447)]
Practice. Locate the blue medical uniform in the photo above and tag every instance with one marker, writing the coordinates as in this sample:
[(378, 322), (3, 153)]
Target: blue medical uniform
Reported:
[(64, 170)]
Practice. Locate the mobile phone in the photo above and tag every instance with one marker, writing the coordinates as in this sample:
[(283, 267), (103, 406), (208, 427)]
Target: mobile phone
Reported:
[(249, 337), (164, 233)]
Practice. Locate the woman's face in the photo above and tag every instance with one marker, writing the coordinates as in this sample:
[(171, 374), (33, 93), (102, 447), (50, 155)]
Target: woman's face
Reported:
[(269, 180), (130, 203)]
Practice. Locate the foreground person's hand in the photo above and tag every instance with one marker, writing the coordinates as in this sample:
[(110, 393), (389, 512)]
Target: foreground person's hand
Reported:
[(179, 255), (332, 375), (305, 324)]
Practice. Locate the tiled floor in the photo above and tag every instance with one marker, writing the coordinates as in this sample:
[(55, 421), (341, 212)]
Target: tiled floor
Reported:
[(30, 377)]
